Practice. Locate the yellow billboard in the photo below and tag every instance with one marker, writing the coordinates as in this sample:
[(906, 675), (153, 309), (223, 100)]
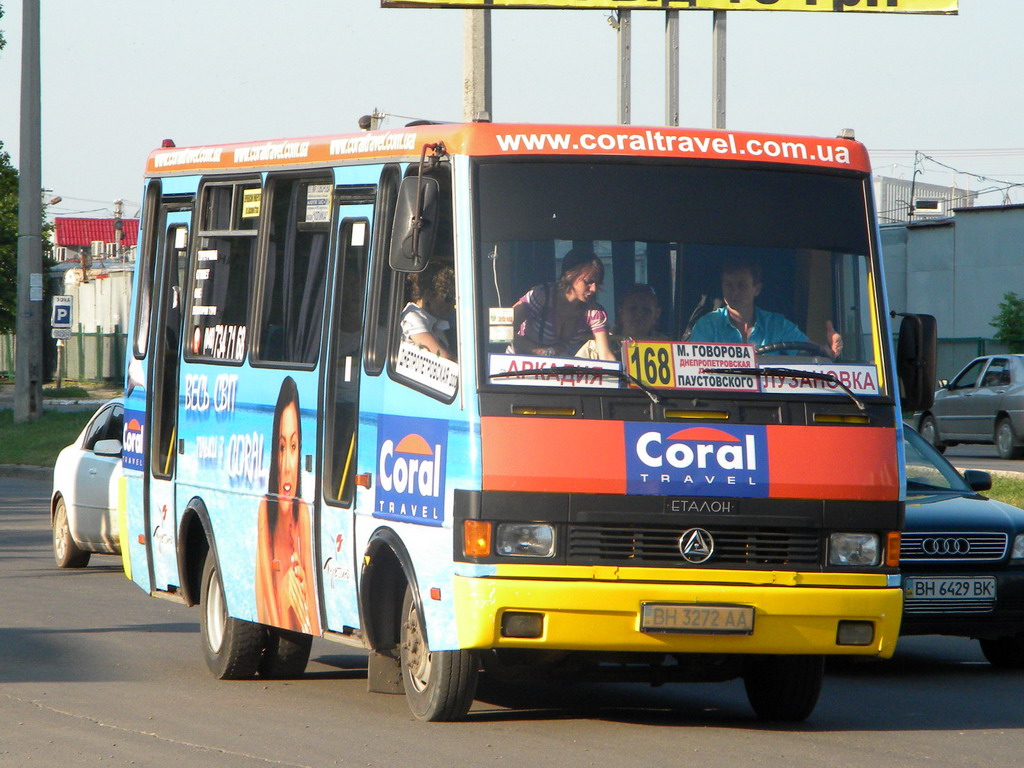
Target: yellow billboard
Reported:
[(828, 6)]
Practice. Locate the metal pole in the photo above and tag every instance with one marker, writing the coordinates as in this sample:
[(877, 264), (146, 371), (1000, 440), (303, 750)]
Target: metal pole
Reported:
[(476, 65), (672, 67), (28, 381), (718, 71), (624, 35)]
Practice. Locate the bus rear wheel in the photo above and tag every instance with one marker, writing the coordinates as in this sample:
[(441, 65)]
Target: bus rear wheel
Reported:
[(784, 688), (439, 685), (233, 648)]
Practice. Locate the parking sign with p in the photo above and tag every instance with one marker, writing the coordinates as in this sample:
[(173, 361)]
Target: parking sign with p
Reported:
[(60, 318)]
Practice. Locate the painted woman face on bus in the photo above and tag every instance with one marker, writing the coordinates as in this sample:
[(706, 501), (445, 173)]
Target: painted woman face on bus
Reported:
[(288, 452)]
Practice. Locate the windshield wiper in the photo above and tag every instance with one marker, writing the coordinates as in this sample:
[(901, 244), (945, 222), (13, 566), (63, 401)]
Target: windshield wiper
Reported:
[(790, 373), (577, 370)]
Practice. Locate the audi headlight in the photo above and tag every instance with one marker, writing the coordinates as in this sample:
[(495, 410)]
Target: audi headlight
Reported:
[(1017, 553), (525, 540), (853, 549)]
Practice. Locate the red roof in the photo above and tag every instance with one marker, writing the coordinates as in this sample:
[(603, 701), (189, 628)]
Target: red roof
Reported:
[(78, 232)]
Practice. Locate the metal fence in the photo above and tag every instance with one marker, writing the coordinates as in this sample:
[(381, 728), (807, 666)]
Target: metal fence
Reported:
[(87, 356)]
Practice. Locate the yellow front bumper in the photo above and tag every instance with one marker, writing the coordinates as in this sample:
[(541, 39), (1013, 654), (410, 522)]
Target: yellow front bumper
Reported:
[(793, 613)]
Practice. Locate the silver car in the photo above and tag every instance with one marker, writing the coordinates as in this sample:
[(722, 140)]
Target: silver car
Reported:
[(984, 403)]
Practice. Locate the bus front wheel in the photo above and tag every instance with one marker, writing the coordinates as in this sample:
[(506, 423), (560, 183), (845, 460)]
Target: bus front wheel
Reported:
[(439, 685), (784, 688), (233, 648)]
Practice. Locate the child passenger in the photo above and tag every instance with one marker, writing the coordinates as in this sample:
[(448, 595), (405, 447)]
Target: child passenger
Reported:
[(432, 298)]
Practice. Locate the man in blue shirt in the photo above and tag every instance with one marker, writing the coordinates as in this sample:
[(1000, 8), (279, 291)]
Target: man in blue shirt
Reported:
[(740, 322)]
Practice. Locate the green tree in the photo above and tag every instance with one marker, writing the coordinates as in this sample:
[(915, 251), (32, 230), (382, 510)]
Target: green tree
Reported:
[(8, 242), (1009, 322)]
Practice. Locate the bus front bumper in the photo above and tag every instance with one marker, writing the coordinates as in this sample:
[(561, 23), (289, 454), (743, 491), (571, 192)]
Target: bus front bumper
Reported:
[(607, 615)]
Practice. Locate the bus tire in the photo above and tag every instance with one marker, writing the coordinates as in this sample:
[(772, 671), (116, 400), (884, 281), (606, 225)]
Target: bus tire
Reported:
[(232, 647), (784, 688), (285, 654), (439, 685), (66, 552)]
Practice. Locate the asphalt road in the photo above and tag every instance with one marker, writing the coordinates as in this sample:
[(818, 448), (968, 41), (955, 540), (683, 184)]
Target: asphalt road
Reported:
[(981, 457), (95, 673)]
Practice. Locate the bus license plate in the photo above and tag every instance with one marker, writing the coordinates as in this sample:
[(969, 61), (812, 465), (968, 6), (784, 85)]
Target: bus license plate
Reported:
[(697, 619), (936, 589)]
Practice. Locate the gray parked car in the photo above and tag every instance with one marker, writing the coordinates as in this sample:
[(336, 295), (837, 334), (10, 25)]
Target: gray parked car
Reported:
[(984, 403)]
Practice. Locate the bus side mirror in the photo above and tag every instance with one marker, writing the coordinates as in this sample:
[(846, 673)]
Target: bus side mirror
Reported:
[(915, 361), (415, 227)]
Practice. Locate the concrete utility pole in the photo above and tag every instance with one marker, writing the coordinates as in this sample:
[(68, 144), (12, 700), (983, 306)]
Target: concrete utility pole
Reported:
[(625, 70), (718, 71), (118, 229), (476, 65), (672, 68), (28, 379)]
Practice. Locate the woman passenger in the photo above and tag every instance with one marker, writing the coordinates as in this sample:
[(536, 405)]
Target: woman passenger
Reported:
[(556, 319)]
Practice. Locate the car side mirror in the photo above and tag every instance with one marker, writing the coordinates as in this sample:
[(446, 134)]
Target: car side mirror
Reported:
[(111, 447), (915, 361), (415, 227), (979, 480), (942, 384)]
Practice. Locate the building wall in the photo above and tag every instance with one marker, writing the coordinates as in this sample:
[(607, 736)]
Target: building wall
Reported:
[(957, 269), (101, 302)]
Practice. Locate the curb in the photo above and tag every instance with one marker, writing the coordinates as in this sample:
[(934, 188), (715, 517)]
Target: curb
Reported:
[(26, 472)]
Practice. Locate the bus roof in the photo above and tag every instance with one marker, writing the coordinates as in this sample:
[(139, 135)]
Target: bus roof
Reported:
[(512, 140)]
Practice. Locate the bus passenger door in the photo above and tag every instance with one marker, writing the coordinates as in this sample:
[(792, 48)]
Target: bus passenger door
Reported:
[(345, 320), (165, 359)]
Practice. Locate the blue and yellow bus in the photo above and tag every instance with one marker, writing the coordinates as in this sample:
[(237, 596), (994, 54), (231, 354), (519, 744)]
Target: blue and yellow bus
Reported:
[(388, 388)]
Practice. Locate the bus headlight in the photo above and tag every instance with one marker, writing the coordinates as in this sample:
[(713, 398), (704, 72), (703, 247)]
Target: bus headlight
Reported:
[(525, 540), (1017, 553), (853, 549)]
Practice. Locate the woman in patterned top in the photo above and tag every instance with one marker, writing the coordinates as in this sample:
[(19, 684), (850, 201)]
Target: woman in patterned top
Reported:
[(556, 319)]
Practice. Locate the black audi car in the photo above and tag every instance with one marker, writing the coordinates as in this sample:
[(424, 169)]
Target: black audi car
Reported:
[(962, 557)]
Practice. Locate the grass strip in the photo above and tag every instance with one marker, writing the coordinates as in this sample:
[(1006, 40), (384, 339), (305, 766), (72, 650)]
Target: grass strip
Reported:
[(37, 443)]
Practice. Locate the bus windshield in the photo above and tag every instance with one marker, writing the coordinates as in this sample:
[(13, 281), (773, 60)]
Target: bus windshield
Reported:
[(695, 268)]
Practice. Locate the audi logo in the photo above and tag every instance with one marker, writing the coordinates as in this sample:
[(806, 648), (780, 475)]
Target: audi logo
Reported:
[(945, 546)]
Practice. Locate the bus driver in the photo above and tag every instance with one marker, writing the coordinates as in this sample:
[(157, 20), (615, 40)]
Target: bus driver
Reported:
[(740, 322)]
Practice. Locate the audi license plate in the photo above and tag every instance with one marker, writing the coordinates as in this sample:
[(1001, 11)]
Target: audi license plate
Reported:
[(697, 619), (938, 589)]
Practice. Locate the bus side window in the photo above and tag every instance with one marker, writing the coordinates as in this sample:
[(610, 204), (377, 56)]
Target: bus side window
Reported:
[(411, 364), (222, 271), (146, 266), (383, 282), (295, 270)]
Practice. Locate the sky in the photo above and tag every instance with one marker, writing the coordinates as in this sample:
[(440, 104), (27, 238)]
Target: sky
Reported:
[(119, 76)]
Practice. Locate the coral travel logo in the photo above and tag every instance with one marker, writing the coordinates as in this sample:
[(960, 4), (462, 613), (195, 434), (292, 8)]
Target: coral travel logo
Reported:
[(411, 455), (133, 440), (701, 460)]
